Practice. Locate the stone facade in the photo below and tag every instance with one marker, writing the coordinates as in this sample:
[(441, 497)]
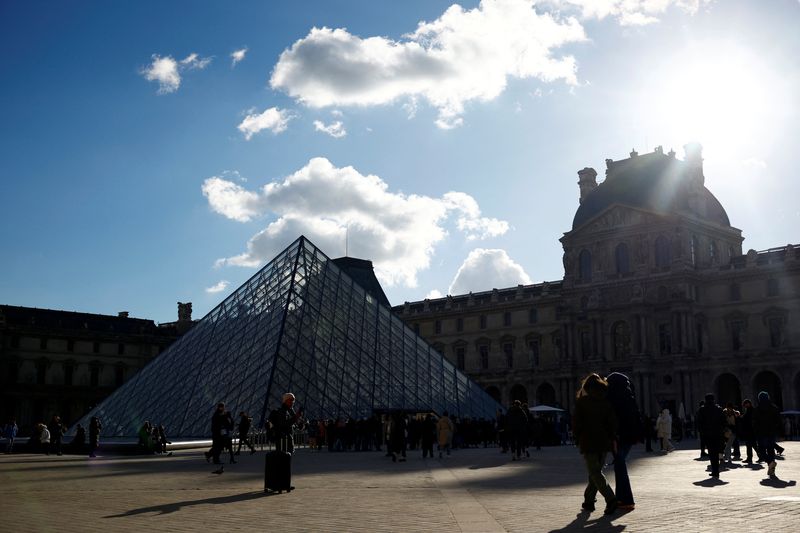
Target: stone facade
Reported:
[(63, 362), (655, 285)]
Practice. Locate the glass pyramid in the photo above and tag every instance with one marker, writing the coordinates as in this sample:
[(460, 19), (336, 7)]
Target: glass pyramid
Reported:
[(301, 324)]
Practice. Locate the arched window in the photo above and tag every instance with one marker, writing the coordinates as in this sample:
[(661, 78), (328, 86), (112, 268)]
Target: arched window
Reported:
[(622, 340), (585, 266), (712, 252), (663, 255), (623, 259)]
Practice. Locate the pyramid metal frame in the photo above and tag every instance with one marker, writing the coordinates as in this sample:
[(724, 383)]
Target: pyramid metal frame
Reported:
[(300, 324)]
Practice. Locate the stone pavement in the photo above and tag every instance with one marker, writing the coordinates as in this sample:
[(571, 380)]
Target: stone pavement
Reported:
[(473, 490)]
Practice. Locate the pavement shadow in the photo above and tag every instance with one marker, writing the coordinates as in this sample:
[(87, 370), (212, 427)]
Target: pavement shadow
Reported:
[(710, 482), (582, 523), (168, 508), (777, 483)]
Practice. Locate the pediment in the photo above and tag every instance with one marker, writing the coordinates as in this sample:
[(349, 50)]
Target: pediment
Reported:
[(617, 216)]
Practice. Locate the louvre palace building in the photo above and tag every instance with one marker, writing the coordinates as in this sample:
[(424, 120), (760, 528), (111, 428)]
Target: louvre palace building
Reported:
[(656, 285)]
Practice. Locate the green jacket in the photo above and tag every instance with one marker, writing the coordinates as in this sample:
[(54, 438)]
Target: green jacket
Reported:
[(594, 424)]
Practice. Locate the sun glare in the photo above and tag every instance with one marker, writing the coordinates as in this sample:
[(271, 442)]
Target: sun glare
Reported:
[(721, 96)]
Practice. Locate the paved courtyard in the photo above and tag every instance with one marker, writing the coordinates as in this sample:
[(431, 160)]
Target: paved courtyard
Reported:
[(472, 490)]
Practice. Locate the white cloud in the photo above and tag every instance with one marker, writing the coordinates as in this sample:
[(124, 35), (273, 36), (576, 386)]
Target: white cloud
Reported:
[(433, 295), (166, 70), (219, 287), (238, 56), (462, 56), (334, 129), (398, 232), (484, 269), (195, 62), (629, 12), (273, 119)]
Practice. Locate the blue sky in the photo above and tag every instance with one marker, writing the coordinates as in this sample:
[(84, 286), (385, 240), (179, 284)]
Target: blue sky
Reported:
[(142, 166)]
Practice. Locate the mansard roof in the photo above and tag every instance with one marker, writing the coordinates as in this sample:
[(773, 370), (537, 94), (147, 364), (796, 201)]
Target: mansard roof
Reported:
[(655, 182)]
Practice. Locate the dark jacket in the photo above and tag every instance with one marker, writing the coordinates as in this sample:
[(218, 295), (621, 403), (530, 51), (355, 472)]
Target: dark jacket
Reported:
[(744, 428), (620, 394), (516, 419), (711, 422), (766, 419), (219, 422), (594, 424), (283, 419)]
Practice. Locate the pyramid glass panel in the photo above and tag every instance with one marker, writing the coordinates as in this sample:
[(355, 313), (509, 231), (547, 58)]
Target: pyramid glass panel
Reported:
[(300, 324)]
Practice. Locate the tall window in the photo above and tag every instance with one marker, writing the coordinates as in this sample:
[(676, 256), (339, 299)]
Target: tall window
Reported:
[(663, 255), (483, 321), (775, 325), (508, 351), (712, 252), (506, 318), (737, 334), (533, 346), (69, 371), (119, 374), (459, 324), (694, 246), (585, 266), (699, 333), (623, 259), (484, 354), (558, 344), (772, 287), (43, 343), (533, 316), (120, 349), (622, 340), (736, 292), (94, 375), (460, 358), (437, 327), (70, 345), (664, 339), (41, 371), (586, 344)]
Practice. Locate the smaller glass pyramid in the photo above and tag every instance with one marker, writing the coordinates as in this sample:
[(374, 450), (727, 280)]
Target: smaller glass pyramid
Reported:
[(301, 324)]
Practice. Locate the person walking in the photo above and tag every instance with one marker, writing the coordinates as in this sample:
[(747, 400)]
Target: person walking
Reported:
[(56, 429), (629, 432), (218, 421), (517, 423), (44, 438), (767, 425), (444, 431), (731, 415), (428, 436), (703, 454), (94, 435), (711, 424), (10, 433), (594, 428), (245, 422), (746, 432), (664, 430), (397, 436)]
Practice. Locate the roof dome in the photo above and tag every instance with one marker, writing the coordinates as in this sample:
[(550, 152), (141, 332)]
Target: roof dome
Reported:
[(654, 182)]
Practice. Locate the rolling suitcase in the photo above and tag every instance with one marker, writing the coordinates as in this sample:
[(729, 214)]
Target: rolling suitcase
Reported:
[(278, 471)]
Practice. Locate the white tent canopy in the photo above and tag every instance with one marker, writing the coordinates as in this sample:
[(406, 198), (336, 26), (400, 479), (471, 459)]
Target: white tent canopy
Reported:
[(545, 409)]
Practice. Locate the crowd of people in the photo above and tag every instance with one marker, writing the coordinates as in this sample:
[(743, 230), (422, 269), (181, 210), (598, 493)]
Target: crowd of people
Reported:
[(153, 438)]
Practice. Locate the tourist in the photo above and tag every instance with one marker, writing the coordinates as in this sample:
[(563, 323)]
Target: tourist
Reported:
[(711, 424), (56, 429), (162, 438), (700, 433), (517, 423), (767, 425), (664, 430), (10, 433), (44, 437), (145, 437), (444, 431), (428, 436), (629, 432), (218, 423), (245, 421), (94, 435), (746, 432), (397, 436), (594, 428), (731, 415), (79, 440)]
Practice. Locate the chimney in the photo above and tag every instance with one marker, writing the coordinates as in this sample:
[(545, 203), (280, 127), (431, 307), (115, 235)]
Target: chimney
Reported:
[(122, 314), (587, 181)]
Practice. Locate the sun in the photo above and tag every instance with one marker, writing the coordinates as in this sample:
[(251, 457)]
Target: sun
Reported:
[(719, 94)]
